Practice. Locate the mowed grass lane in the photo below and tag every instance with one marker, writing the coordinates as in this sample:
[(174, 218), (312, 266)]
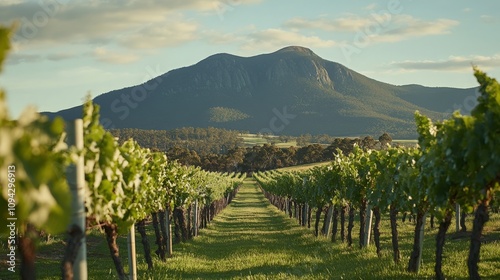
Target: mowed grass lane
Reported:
[(249, 239)]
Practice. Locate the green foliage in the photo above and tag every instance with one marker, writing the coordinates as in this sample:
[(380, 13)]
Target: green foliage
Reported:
[(202, 140), (127, 182), (33, 162), (254, 240), (457, 161), (103, 174), (382, 177), (460, 155)]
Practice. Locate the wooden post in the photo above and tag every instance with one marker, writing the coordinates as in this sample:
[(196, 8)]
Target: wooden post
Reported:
[(368, 224), (169, 244), (329, 215), (304, 214), (75, 175), (457, 217), (421, 244), (304, 208), (132, 264), (169, 233), (195, 218)]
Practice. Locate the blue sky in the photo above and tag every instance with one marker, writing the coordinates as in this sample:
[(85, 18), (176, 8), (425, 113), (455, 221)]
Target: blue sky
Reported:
[(64, 49)]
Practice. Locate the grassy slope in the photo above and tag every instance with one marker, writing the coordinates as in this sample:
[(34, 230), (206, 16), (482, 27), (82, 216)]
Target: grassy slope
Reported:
[(253, 240)]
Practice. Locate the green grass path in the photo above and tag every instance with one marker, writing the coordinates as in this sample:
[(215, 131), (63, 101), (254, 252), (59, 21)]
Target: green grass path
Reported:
[(250, 239)]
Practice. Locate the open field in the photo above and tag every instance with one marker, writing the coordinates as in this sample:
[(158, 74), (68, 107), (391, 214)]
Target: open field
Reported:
[(251, 239), (251, 140), (405, 143)]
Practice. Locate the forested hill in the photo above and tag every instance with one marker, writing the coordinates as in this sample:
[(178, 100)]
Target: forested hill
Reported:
[(291, 91)]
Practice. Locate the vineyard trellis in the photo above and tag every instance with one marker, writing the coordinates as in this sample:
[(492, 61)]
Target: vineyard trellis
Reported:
[(457, 162), (124, 185)]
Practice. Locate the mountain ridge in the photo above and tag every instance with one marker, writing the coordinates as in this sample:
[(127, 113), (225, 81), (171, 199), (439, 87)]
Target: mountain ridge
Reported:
[(324, 97)]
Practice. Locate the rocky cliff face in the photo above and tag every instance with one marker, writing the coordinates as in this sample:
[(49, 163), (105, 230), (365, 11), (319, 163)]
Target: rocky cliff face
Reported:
[(294, 67), (235, 75), (222, 71)]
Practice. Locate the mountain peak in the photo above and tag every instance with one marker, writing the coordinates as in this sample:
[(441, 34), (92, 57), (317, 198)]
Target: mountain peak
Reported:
[(297, 49), (291, 91)]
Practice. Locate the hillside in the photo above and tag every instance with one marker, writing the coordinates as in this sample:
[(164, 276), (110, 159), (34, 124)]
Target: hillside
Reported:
[(291, 91)]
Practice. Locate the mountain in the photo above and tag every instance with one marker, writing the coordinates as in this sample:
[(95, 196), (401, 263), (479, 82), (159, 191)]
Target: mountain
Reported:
[(291, 91)]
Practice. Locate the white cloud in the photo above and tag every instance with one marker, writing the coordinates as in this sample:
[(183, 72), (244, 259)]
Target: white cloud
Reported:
[(129, 24), (215, 37), (407, 27), (28, 57), (104, 55), (155, 36), (10, 2), (452, 63), (487, 19), (45, 24), (272, 39), (18, 58), (60, 56), (370, 7), (349, 23), (377, 27)]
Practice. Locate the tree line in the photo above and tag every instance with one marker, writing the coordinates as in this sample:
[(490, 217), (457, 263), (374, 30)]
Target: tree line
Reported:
[(270, 156), (222, 150), (201, 140)]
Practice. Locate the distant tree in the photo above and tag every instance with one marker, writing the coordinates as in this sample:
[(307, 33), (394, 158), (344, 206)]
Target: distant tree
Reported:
[(213, 162), (323, 139), (385, 139), (267, 136), (234, 159), (288, 156), (284, 138), (268, 155), (329, 152), (184, 156), (345, 145), (368, 143), (304, 139), (309, 154), (250, 159)]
